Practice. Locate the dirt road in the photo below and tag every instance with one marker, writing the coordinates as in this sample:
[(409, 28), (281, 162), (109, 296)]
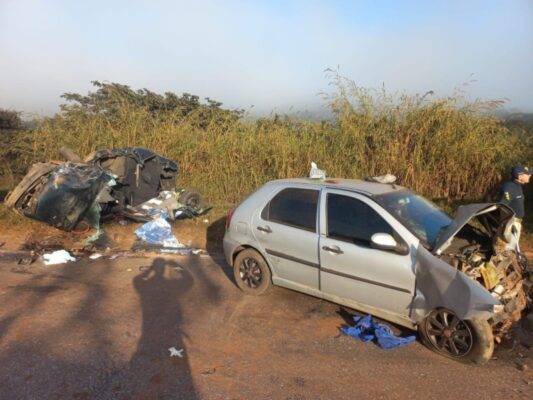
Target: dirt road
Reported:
[(102, 329)]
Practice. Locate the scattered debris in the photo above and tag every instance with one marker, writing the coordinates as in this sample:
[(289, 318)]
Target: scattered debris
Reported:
[(43, 245), (28, 259), (175, 352), (366, 330), (57, 257), (126, 182), (95, 256), (111, 184), (140, 173), (316, 173), (522, 366), (387, 178), (99, 240), (159, 232), (58, 194), (209, 371)]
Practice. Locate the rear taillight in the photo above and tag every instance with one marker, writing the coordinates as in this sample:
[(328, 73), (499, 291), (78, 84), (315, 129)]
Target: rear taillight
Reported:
[(228, 218)]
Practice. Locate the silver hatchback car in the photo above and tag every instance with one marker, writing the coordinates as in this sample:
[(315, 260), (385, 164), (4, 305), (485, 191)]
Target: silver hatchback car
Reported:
[(387, 251)]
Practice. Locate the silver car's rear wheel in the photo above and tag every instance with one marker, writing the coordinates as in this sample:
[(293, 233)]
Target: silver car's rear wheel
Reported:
[(251, 272)]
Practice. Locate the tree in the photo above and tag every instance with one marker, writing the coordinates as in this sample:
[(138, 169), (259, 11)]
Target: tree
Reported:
[(111, 98)]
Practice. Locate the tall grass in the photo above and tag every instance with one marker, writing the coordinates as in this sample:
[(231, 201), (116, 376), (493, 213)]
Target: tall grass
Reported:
[(443, 147)]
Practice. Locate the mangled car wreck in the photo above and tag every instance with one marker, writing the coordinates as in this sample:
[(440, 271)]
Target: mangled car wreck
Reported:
[(108, 183), (387, 251)]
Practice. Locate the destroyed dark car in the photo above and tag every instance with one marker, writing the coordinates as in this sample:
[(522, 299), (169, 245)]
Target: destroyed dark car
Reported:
[(109, 182), (385, 250)]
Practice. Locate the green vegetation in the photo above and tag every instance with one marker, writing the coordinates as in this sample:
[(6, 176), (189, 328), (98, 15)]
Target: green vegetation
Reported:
[(442, 147)]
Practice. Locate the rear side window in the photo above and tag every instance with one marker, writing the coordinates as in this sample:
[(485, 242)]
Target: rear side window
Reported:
[(294, 207), (352, 220)]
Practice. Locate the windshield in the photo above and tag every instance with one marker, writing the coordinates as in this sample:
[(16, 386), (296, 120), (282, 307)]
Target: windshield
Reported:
[(419, 215)]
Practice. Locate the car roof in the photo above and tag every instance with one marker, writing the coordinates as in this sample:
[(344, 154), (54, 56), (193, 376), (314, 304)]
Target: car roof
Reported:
[(354, 185)]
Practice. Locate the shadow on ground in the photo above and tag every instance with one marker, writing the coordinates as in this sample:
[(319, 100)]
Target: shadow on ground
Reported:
[(75, 346), (214, 237)]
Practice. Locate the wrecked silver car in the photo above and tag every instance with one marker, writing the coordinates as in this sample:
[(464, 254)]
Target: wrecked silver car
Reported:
[(108, 183), (384, 250)]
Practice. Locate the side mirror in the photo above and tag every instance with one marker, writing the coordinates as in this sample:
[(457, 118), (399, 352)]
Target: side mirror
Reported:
[(384, 241)]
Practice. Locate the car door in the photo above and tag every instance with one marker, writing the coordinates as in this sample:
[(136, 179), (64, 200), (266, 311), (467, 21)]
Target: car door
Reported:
[(287, 231), (350, 267)]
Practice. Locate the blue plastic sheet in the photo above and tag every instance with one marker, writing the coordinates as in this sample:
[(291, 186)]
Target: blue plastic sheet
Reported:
[(158, 231), (366, 330)]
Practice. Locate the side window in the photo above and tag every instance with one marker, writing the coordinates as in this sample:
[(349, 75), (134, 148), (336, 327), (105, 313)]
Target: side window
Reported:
[(294, 207), (352, 220)]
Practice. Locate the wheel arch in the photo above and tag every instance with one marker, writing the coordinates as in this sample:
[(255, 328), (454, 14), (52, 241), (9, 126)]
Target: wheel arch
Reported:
[(243, 247), (479, 329)]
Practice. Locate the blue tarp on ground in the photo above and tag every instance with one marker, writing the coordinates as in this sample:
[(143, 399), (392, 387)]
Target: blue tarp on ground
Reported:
[(158, 231), (366, 330)]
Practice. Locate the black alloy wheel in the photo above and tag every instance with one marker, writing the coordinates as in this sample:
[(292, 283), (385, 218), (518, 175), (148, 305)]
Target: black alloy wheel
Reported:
[(250, 272), (448, 334)]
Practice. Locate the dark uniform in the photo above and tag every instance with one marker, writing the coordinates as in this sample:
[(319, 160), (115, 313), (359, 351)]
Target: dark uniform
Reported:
[(513, 196)]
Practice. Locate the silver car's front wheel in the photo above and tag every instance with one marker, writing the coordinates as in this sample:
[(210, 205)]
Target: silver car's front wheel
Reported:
[(448, 333), (463, 340), (251, 272)]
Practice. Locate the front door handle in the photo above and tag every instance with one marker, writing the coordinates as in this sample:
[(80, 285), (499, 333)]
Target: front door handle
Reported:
[(265, 229), (333, 249)]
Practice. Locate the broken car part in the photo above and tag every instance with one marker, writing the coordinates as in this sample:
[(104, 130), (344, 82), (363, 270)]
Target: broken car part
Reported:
[(112, 182), (58, 194), (140, 173)]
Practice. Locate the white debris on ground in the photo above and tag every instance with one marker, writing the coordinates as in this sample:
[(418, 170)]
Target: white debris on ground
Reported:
[(175, 352), (57, 257)]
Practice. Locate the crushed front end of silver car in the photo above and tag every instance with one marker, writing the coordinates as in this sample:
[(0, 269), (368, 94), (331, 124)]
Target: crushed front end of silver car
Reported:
[(479, 244), (471, 263)]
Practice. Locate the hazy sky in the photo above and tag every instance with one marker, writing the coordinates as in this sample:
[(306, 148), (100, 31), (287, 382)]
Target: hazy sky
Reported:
[(270, 54)]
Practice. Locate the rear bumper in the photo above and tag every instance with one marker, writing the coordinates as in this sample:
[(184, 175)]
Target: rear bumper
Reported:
[(229, 249)]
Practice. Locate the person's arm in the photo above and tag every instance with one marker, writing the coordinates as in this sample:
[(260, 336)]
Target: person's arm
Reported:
[(505, 194)]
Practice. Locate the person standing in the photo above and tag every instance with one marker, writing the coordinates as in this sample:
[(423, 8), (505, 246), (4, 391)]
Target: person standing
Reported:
[(512, 195)]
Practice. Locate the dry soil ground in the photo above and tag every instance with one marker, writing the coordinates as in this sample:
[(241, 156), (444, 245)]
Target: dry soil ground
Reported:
[(102, 329)]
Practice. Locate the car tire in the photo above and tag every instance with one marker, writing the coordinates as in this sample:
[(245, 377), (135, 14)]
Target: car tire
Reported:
[(468, 341), (252, 273), (191, 199)]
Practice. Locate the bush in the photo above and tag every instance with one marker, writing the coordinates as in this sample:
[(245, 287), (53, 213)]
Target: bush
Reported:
[(443, 147)]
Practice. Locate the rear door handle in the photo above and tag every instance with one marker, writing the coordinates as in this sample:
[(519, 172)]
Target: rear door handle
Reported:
[(333, 249), (265, 229)]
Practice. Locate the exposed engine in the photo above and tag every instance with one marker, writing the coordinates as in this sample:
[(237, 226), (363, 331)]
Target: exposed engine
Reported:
[(500, 270)]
